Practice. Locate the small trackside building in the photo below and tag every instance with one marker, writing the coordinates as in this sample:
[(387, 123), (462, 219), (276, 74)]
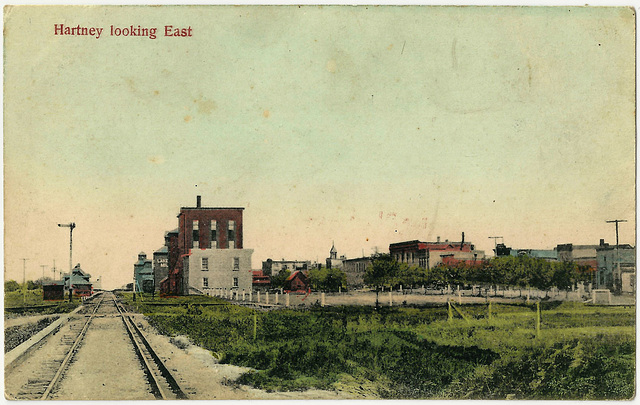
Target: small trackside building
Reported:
[(78, 282), (53, 290)]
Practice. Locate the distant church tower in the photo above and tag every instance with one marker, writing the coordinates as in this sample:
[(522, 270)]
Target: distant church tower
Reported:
[(332, 260)]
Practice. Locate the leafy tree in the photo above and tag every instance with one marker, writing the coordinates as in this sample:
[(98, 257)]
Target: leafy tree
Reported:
[(410, 276), (316, 278), (564, 274), (541, 274), (42, 280), (11, 285), (279, 279), (381, 272), (324, 279), (585, 273), (32, 285), (436, 276), (335, 279), (501, 269)]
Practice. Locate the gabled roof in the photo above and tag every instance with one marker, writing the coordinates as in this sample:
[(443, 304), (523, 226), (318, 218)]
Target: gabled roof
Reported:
[(295, 274)]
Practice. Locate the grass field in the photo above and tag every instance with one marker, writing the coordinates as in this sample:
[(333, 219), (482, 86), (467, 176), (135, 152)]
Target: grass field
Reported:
[(580, 352), (33, 298)]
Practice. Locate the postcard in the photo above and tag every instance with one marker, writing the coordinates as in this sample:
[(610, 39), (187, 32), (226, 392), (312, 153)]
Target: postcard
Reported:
[(319, 202)]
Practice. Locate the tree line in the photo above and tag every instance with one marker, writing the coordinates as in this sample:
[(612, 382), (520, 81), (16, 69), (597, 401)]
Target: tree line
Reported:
[(12, 285), (320, 279), (519, 271)]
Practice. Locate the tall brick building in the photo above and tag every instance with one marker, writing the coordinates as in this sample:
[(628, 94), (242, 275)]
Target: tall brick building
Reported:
[(210, 252)]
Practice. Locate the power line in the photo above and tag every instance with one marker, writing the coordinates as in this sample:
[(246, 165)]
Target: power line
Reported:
[(495, 240), (616, 221)]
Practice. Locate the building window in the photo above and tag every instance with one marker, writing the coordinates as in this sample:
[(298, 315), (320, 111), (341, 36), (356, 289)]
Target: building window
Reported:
[(236, 263), (195, 239), (213, 240), (232, 234), (205, 282), (205, 264), (235, 281)]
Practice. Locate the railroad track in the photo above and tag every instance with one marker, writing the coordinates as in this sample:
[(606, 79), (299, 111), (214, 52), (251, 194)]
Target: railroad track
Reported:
[(163, 384), (44, 384), (40, 388)]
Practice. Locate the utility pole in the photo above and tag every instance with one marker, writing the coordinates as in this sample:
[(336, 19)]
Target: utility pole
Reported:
[(495, 242), (24, 281), (70, 226), (616, 221), (54, 269)]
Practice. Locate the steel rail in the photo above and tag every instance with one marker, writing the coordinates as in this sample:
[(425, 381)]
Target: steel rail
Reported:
[(69, 355), (156, 384)]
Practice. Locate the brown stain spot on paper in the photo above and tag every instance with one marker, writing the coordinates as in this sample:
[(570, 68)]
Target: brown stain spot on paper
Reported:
[(332, 66), (206, 106), (266, 113), (156, 159), (187, 118), (156, 92), (390, 47)]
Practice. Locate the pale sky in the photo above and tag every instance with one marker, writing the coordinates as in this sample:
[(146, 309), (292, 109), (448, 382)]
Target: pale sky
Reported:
[(359, 125)]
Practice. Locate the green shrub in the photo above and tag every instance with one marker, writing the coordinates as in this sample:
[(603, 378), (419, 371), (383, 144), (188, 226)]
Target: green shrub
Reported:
[(415, 352)]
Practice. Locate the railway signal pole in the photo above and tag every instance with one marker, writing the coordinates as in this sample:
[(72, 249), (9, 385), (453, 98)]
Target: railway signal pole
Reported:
[(70, 226)]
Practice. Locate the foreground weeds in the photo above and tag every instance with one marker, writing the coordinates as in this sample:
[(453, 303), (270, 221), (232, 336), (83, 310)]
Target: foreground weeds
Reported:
[(579, 352)]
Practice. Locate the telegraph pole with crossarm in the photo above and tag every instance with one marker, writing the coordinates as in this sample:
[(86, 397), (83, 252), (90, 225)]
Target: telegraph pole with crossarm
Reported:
[(617, 221)]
